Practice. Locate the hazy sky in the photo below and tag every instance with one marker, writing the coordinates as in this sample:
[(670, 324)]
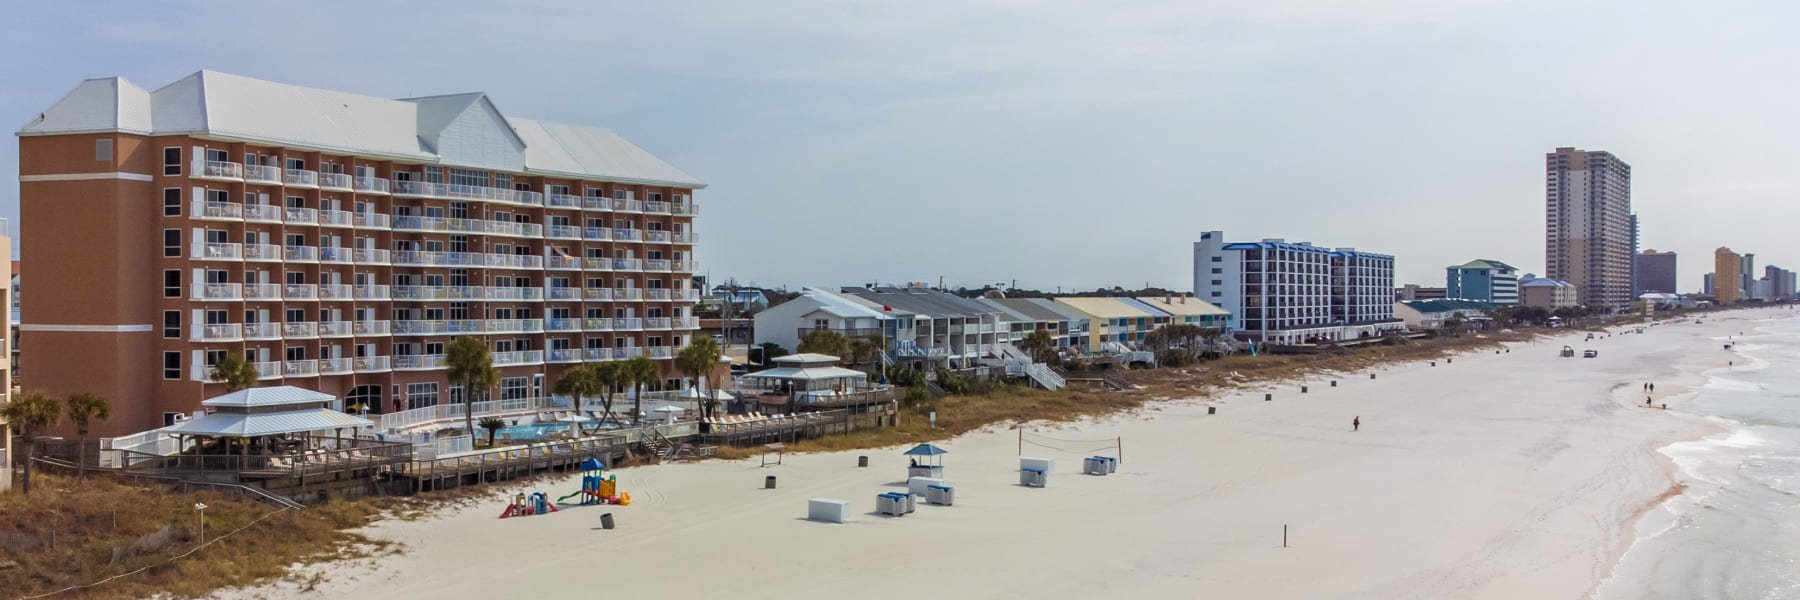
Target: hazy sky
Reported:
[(1073, 143)]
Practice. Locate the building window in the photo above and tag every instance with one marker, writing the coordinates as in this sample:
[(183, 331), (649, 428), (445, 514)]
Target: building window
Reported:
[(421, 395), (171, 365), (171, 243), (172, 283), (103, 149), (172, 324), (171, 202), (172, 161), (513, 388)]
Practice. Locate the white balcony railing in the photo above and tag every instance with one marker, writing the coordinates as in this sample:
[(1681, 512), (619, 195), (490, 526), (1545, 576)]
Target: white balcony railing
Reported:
[(230, 211), (523, 294), (657, 207), (627, 205), (684, 323), (600, 324), (656, 322), (262, 252), (300, 216), (371, 185), (685, 237), (562, 325), (300, 330), (627, 324), (628, 294), (207, 251), (657, 236), (219, 291), (417, 362), (562, 201), (662, 352), (515, 261), (262, 174), (221, 332), (300, 178), (370, 256), (418, 223), (564, 232), (334, 329), (334, 254), (597, 294), (220, 170), (689, 208), (300, 291), (371, 220), (335, 181), (334, 218), (515, 326), (371, 364), (262, 291), (370, 292), (562, 293), (370, 328), (336, 366), (563, 355), (596, 233), (262, 331), (300, 254), (300, 368), (557, 261), (628, 235), (267, 370), (656, 264), (518, 357)]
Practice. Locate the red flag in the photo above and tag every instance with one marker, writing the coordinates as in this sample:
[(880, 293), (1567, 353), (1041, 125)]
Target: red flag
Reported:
[(886, 308)]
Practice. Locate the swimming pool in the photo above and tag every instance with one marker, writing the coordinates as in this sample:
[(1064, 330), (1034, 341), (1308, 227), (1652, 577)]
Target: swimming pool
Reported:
[(534, 431)]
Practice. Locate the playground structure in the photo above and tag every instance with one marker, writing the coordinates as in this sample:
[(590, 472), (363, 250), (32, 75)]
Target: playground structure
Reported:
[(524, 506), (598, 486)]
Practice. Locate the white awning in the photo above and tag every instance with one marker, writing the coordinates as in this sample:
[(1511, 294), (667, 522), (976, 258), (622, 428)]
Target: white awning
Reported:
[(271, 423), (807, 374)]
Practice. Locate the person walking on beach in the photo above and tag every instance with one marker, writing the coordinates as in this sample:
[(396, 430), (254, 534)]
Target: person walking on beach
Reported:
[(1356, 423), (1653, 388)]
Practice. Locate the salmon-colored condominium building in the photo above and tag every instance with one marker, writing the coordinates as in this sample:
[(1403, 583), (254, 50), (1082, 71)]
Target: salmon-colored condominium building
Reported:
[(337, 241)]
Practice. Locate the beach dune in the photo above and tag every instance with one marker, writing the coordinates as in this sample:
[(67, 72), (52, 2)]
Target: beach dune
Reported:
[(1514, 475)]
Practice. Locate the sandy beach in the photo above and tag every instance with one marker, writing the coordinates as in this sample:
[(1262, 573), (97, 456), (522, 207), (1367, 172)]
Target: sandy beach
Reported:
[(1515, 475)]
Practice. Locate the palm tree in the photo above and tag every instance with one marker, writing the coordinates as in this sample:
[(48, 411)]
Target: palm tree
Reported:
[(636, 372), (824, 341), (471, 366), (578, 381), (607, 378), (491, 424), (1037, 343), (235, 371), (698, 360), (31, 412), (81, 409)]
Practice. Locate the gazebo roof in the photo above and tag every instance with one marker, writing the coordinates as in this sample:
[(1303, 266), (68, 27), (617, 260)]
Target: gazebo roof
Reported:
[(926, 450), (258, 397), (806, 373), (268, 423)]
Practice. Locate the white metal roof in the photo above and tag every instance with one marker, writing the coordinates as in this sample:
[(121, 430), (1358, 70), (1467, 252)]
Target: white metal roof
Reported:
[(270, 423), (807, 374), (805, 357), (280, 395), (214, 104)]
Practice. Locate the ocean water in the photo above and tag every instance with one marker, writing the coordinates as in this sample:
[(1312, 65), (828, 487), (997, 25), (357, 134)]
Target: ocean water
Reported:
[(1734, 533)]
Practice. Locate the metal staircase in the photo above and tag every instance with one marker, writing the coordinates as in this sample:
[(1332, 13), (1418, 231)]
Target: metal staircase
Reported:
[(1019, 364)]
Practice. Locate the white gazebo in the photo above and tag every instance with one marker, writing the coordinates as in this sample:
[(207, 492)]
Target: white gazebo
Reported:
[(267, 412)]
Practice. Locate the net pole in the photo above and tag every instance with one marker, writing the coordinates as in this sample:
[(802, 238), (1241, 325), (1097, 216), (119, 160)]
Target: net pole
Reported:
[(1120, 442)]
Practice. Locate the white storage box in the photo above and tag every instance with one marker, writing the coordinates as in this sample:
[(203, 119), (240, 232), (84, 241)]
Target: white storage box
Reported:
[(828, 510), (918, 485)]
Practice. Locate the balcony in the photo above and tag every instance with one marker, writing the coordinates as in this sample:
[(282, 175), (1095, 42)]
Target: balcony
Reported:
[(627, 324), (222, 332), (596, 324), (515, 326), (685, 208), (300, 368), (262, 331), (657, 293), (518, 357), (335, 181), (219, 211), (334, 254), (300, 216), (521, 294), (370, 364), (562, 325), (415, 258), (627, 353), (336, 366), (562, 262), (421, 292), (267, 370), (419, 362), (369, 292), (370, 185), (596, 234), (685, 296), (684, 323), (661, 352), (658, 207), (628, 235), (627, 264), (262, 291), (563, 356), (371, 220), (628, 294), (659, 265), (562, 201), (563, 293), (300, 330), (564, 232), (627, 205), (683, 266), (685, 237), (596, 294), (421, 224), (208, 251), (596, 203), (420, 328), (218, 291), (466, 192), (369, 328), (515, 229), (656, 236), (369, 256), (213, 169), (262, 252), (268, 174), (300, 178), (300, 291), (334, 218), (515, 261), (334, 329), (656, 323), (300, 254)]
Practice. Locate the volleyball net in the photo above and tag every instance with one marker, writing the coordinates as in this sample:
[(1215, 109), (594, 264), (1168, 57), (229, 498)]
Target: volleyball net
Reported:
[(1063, 445)]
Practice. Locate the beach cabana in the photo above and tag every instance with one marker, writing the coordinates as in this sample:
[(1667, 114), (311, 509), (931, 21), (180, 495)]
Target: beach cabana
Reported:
[(267, 421), (927, 461), (799, 379)]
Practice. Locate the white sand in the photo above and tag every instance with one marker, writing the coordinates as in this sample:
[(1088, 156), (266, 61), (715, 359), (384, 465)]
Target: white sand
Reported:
[(1499, 476)]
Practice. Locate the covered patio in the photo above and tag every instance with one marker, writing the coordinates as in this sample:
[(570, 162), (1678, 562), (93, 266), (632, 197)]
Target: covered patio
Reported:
[(803, 379), (272, 431)]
